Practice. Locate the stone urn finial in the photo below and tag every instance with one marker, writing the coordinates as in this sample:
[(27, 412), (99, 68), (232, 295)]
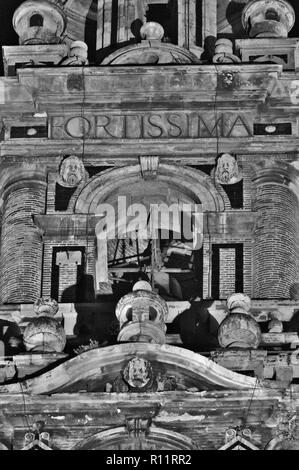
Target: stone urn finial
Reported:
[(239, 329), (142, 315), (268, 18), (45, 333), (39, 22)]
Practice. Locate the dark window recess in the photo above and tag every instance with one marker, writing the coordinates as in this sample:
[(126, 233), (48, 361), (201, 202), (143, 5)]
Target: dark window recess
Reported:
[(73, 293), (235, 194), (239, 283), (294, 32), (283, 128), (31, 64), (95, 170), (198, 32), (167, 16), (62, 197), (36, 20), (253, 58), (33, 132)]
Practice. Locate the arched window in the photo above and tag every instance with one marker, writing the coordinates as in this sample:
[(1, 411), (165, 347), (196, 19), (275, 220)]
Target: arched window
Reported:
[(36, 20)]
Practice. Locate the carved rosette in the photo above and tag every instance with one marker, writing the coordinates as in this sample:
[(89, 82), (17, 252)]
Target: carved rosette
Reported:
[(72, 172), (268, 18), (39, 22), (142, 315), (239, 329)]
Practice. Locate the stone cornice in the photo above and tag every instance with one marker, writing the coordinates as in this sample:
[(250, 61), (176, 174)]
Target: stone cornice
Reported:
[(100, 85), (63, 225), (119, 148)]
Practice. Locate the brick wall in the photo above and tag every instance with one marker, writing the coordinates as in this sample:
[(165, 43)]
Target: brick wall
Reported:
[(67, 275), (275, 241), (227, 272), (21, 244)]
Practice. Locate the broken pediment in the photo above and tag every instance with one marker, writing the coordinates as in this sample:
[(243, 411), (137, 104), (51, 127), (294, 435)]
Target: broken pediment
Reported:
[(139, 368)]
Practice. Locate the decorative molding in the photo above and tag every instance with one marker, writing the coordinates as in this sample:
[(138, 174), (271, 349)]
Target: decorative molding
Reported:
[(149, 167), (38, 439), (89, 366), (238, 439)]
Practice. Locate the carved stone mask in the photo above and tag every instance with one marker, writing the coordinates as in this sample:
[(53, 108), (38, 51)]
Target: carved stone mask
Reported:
[(227, 170), (72, 171)]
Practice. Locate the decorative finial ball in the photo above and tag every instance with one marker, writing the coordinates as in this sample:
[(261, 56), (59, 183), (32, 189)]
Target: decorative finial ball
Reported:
[(142, 285), (152, 30), (79, 48)]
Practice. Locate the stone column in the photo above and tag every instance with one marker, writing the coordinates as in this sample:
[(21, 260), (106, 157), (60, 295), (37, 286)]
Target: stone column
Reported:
[(21, 242), (276, 235)]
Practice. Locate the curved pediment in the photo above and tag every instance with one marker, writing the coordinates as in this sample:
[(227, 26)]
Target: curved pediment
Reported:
[(151, 53), (135, 367)]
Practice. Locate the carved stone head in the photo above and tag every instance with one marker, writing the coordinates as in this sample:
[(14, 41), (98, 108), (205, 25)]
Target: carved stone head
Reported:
[(72, 172), (227, 170)]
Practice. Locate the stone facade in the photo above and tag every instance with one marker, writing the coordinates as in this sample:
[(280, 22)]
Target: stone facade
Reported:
[(109, 110)]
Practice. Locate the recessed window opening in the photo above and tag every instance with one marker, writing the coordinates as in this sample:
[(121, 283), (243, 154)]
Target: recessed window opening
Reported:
[(36, 20), (166, 15)]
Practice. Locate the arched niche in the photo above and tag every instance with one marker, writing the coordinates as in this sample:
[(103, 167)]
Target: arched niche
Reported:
[(120, 439), (192, 184)]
